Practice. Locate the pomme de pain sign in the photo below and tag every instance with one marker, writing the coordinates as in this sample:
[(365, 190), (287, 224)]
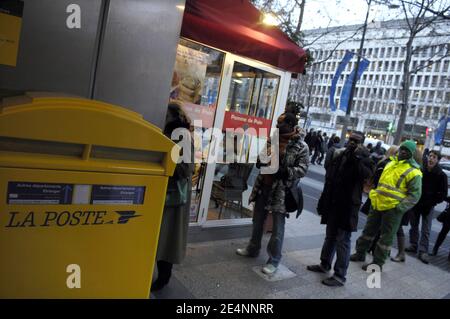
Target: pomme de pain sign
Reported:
[(256, 126)]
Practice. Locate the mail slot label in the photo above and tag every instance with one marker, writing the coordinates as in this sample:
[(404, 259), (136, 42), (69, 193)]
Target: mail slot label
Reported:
[(115, 194), (39, 193)]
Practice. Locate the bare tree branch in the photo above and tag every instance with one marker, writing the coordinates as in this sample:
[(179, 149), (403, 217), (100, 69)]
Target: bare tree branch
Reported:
[(337, 45)]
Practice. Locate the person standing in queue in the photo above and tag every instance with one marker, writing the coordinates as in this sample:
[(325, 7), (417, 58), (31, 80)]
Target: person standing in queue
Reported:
[(269, 192), (398, 190), (434, 191), (339, 206), (175, 219)]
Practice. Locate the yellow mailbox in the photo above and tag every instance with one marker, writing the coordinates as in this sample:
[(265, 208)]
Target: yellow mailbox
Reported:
[(83, 186)]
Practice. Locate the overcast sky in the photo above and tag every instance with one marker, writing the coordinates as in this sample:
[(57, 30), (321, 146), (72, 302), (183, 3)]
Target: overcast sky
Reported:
[(323, 13)]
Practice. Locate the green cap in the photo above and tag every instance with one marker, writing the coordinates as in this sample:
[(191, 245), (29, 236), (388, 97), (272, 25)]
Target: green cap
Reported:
[(410, 146)]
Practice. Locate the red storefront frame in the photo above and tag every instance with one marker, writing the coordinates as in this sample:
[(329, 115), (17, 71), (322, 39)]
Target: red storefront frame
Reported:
[(235, 26)]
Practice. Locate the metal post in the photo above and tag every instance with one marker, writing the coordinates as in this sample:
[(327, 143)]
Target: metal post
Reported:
[(352, 90), (309, 96)]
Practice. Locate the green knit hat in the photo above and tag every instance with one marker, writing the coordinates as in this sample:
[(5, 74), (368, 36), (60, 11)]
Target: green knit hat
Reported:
[(410, 146)]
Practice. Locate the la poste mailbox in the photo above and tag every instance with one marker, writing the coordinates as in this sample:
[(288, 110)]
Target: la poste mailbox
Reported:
[(82, 186)]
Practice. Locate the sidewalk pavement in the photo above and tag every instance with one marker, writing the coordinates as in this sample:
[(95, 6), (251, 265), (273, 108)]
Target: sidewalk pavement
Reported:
[(213, 270)]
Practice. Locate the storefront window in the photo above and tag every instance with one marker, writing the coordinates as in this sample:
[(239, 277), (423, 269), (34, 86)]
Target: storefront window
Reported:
[(195, 84)]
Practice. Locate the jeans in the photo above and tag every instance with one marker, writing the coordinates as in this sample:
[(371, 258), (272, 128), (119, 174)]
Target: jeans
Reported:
[(276, 240), (337, 241), (427, 219)]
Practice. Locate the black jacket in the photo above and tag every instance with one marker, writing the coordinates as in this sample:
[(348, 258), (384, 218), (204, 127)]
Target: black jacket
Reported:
[(342, 194), (434, 187)]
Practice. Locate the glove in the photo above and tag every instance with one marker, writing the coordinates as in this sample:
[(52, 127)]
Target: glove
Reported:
[(282, 173)]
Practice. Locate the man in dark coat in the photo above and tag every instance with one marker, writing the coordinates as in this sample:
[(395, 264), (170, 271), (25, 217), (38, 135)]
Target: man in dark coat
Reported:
[(434, 191), (308, 138), (331, 149), (339, 206)]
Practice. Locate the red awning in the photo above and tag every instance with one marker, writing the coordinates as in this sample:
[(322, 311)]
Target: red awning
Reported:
[(234, 26)]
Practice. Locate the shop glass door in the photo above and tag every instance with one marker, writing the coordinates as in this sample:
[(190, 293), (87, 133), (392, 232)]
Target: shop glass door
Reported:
[(250, 106)]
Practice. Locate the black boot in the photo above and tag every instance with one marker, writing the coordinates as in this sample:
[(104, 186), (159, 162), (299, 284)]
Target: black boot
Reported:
[(435, 251), (164, 274), (438, 243)]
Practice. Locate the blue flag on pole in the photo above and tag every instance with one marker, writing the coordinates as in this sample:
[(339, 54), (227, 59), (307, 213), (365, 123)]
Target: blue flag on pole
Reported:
[(341, 67), (439, 134), (345, 95)]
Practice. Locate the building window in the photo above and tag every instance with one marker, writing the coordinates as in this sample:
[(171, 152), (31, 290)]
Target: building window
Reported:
[(446, 65), (396, 52), (403, 52), (437, 66), (418, 80), (382, 53), (435, 113)]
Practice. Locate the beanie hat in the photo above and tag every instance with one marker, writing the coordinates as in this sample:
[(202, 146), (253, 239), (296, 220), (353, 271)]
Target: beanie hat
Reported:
[(410, 146)]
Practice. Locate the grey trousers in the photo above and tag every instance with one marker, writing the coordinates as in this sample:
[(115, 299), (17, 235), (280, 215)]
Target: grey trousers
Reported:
[(427, 219)]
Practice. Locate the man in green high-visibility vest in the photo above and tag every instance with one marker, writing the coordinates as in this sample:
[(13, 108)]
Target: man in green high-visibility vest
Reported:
[(398, 190)]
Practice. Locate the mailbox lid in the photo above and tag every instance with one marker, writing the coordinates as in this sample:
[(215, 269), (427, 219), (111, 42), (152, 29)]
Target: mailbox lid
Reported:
[(79, 134)]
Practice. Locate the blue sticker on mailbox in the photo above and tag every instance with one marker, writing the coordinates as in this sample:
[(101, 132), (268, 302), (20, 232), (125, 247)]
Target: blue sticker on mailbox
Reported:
[(32, 193), (115, 194)]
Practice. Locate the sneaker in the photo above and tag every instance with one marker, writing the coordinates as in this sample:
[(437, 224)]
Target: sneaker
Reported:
[(332, 282), (357, 257), (317, 268), (269, 269), (244, 252), (365, 266), (411, 249), (423, 258)]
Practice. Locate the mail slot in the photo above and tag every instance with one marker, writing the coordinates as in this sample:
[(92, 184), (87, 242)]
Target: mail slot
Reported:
[(83, 186)]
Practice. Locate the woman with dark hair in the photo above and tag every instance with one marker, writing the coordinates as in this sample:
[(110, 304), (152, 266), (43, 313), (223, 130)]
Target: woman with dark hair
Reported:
[(175, 219)]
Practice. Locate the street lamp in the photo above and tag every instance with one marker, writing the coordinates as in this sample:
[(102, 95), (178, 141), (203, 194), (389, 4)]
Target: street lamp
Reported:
[(355, 78)]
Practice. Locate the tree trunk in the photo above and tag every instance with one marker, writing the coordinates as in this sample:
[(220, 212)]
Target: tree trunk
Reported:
[(405, 92), (300, 18)]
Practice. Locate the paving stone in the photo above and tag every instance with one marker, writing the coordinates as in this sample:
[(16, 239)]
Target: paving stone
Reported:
[(213, 270), (282, 273)]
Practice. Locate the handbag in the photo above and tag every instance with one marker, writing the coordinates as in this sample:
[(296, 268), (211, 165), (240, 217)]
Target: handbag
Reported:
[(177, 193), (294, 198)]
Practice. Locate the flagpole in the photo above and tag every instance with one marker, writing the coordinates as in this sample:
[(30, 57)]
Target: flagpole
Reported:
[(355, 77)]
